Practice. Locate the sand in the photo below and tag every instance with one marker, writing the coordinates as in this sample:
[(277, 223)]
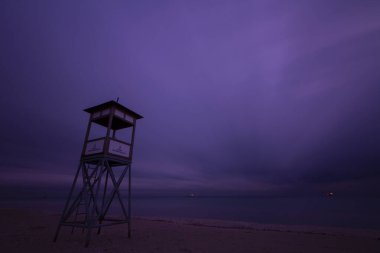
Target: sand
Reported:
[(24, 230)]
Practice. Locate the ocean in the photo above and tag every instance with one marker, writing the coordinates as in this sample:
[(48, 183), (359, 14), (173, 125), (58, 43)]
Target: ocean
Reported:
[(315, 211)]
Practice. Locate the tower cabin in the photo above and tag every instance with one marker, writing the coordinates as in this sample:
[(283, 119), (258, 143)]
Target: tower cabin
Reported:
[(114, 117)]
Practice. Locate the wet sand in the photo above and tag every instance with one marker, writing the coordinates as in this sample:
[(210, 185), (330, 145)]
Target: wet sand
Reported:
[(26, 230)]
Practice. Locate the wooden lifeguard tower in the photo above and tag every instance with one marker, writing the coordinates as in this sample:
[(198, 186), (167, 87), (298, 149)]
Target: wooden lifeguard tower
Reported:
[(104, 163)]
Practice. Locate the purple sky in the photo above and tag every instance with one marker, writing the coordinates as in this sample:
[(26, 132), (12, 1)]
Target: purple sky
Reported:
[(239, 97)]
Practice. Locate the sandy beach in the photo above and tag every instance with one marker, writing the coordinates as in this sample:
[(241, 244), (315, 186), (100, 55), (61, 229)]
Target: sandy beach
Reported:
[(26, 230)]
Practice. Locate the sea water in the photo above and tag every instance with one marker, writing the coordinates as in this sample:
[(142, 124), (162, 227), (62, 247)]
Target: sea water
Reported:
[(316, 211)]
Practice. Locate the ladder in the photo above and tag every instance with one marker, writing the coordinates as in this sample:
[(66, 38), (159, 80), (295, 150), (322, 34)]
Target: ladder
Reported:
[(82, 210)]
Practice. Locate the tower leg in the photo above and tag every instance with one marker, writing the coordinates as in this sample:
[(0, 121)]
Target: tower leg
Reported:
[(129, 201), (94, 219), (88, 236), (102, 214), (57, 232), (67, 203)]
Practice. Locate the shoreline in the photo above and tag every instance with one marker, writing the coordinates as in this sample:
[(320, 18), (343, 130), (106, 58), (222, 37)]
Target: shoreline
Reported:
[(26, 229), (246, 225)]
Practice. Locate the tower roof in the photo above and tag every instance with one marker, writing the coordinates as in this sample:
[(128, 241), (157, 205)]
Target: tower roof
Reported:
[(111, 104)]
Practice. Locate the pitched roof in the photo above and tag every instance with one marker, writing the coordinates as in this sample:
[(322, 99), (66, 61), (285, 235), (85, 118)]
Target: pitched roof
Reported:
[(117, 105)]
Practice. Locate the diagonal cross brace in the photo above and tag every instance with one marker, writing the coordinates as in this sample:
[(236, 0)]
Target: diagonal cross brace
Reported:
[(115, 190)]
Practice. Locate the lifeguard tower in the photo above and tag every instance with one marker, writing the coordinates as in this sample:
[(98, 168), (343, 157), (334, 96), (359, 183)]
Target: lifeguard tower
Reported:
[(105, 161)]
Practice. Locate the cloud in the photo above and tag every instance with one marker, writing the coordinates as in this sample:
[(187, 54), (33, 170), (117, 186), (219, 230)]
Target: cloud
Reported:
[(255, 96)]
